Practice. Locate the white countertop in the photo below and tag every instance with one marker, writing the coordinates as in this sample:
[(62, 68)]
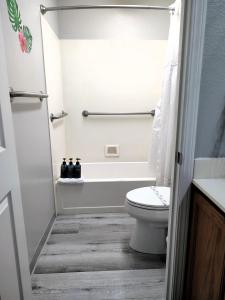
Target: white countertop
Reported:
[(214, 189)]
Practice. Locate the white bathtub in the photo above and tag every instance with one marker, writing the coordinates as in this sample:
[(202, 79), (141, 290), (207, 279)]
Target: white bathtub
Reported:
[(104, 188)]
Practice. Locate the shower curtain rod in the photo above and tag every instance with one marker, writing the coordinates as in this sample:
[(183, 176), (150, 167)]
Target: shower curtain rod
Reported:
[(45, 9)]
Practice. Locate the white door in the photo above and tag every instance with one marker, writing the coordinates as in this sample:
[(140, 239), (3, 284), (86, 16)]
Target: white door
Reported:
[(15, 281)]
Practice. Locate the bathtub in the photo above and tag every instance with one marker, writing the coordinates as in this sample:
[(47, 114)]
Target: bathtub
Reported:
[(104, 187)]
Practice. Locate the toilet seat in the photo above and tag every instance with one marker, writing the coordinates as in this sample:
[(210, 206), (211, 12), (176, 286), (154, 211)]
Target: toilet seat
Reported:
[(150, 198)]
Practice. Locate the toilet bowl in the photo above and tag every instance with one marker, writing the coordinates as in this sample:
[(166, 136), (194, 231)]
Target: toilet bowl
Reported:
[(150, 207)]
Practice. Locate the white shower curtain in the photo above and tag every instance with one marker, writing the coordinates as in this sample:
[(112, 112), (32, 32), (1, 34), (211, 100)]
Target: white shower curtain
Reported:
[(164, 125)]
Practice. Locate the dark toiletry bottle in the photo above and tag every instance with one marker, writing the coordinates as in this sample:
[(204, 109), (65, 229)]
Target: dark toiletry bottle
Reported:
[(64, 169), (70, 169), (77, 169)]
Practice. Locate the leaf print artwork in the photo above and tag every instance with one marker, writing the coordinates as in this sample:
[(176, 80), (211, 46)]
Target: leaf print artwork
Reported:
[(24, 34), (27, 35), (23, 42), (14, 15)]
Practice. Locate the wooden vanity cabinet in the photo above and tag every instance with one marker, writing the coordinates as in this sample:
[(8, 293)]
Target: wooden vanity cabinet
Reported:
[(205, 265)]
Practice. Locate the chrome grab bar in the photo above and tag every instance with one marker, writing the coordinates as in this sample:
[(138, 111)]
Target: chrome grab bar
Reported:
[(20, 94), (45, 9), (58, 116), (86, 113)]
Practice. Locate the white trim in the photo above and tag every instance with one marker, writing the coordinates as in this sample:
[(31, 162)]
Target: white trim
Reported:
[(91, 210), (189, 90), (3, 205)]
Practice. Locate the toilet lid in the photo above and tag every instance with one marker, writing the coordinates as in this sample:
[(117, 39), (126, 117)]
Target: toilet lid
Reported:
[(152, 197)]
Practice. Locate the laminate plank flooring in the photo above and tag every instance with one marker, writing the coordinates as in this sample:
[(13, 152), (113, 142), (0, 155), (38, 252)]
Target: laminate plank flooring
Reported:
[(104, 285), (88, 255)]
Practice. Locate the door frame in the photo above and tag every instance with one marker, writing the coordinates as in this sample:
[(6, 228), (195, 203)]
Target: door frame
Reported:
[(193, 32), (189, 89)]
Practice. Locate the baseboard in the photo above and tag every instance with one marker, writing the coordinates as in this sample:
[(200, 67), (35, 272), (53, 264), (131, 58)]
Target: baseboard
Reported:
[(92, 210), (41, 244)]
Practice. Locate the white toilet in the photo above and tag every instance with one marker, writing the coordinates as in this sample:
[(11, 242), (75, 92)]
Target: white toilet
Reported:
[(150, 207)]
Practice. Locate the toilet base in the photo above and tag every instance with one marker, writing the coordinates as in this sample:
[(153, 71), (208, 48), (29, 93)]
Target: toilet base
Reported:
[(149, 238)]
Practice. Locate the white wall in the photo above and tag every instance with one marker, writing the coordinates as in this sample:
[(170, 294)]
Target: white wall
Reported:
[(114, 23), (112, 60), (52, 18), (53, 73), (113, 76), (26, 73)]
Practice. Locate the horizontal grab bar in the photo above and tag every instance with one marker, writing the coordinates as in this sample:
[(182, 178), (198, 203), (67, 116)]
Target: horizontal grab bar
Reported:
[(20, 94), (86, 113), (45, 9), (58, 116)]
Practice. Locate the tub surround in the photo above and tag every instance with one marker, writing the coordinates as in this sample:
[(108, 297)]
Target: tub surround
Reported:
[(209, 178), (110, 75)]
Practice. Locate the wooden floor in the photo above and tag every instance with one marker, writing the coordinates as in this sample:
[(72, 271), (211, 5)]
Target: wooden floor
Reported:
[(88, 257)]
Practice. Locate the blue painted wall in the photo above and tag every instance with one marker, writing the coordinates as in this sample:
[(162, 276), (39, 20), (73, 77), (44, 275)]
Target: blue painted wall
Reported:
[(211, 123)]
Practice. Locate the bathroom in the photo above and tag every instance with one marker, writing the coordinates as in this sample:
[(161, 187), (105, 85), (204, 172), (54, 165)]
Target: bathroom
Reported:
[(111, 64), (116, 88)]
